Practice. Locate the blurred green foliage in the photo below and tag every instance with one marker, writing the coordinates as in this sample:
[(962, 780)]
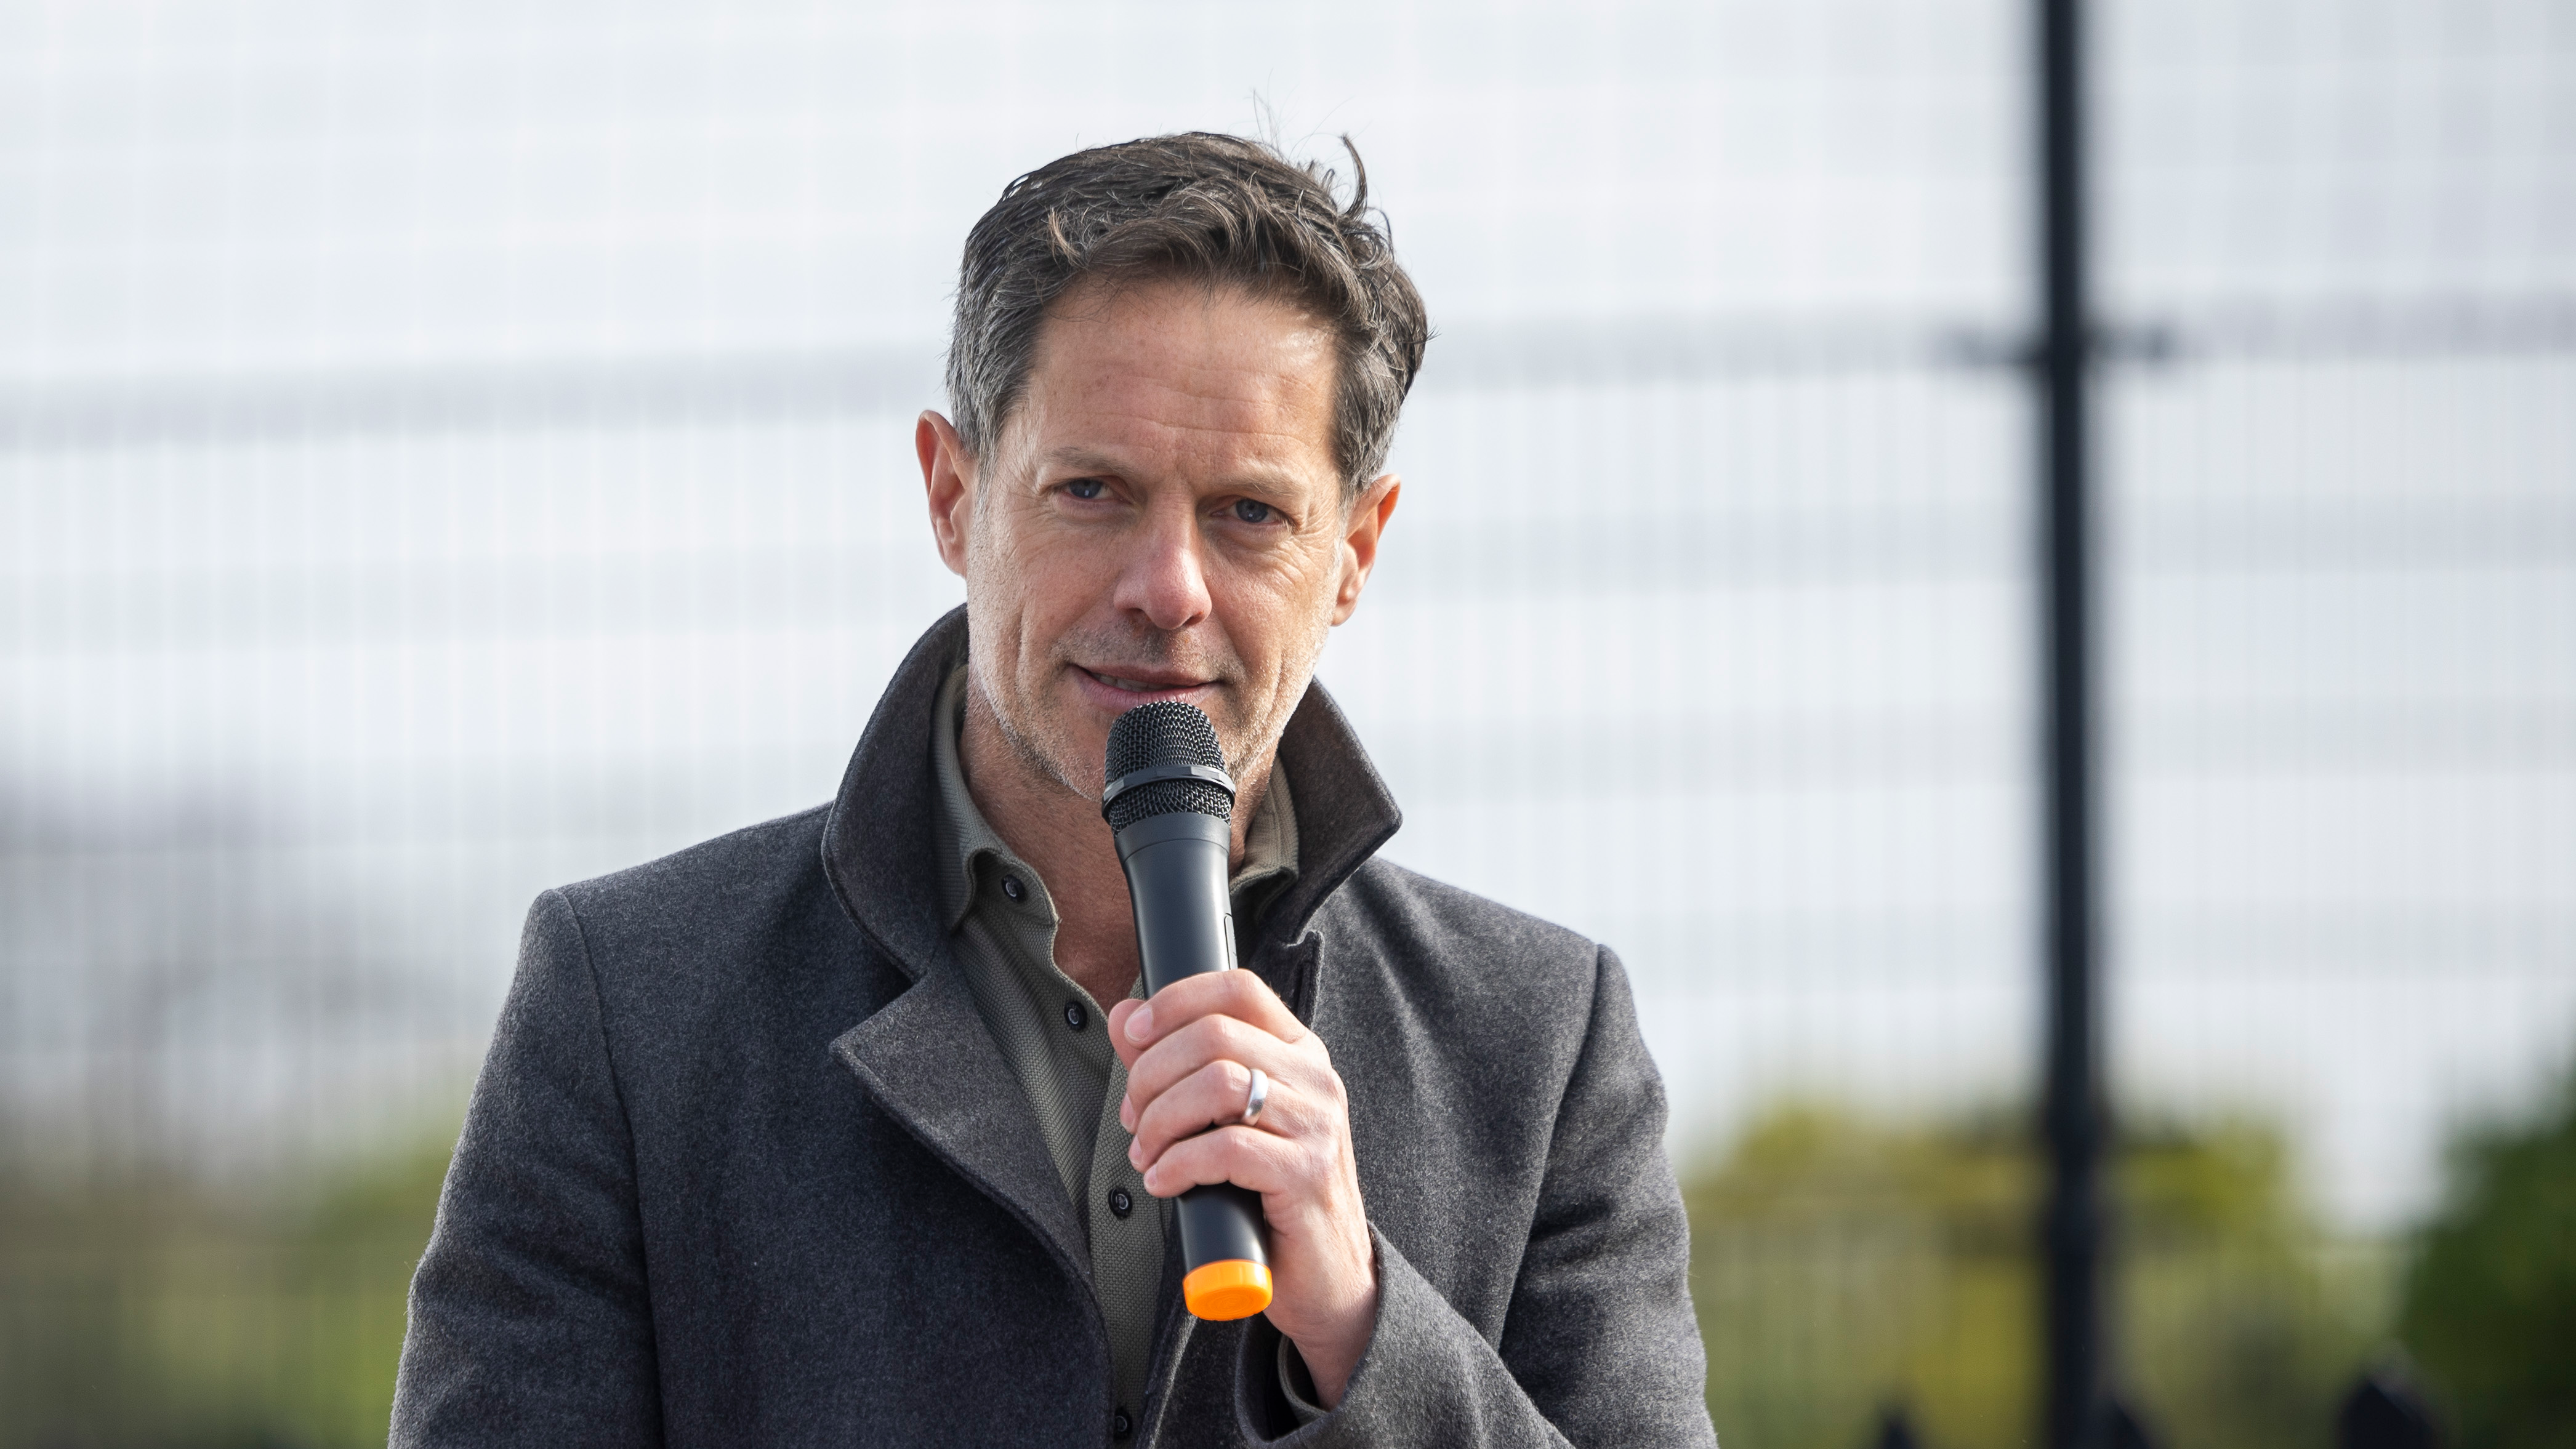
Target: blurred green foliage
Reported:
[(1840, 1265), (2490, 1302), (153, 1312)]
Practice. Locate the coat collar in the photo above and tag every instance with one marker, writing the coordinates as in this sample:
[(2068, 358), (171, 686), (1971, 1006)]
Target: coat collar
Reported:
[(878, 843)]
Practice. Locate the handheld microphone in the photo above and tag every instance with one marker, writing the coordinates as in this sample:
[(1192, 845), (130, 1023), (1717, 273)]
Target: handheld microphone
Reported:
[(1171, 803)]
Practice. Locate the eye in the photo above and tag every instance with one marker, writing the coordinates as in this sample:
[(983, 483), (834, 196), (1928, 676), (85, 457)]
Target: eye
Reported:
[(1253, 510), (1086, 488)]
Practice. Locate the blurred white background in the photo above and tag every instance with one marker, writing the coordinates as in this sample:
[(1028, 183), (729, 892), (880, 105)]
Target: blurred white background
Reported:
[(447, 451)]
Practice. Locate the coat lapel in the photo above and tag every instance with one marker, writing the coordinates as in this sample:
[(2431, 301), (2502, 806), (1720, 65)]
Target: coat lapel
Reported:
[(930, 1062), (926, 1056), (1290, 969)]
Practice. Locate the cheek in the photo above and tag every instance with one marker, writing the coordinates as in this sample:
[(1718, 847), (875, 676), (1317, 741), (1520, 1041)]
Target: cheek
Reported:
[(1316, 576), (1039, 587), (1283, 605), (1001, 593)]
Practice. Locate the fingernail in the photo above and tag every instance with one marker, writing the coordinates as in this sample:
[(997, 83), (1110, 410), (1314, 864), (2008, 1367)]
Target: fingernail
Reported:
[(1140, 1025), (1136, 1154)]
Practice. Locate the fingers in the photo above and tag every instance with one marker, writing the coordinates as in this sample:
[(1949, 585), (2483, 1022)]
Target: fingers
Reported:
[(1214, 1096), (1189, 1054), (1119, 1013), (1238, 994), (1171, 1060), (1245, 1156)]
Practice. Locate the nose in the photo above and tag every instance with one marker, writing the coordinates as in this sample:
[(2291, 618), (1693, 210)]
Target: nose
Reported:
[(1164, 579)]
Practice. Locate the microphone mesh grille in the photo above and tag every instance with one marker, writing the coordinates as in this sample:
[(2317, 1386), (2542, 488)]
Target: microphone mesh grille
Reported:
[(1167, 732), (1164, 797)]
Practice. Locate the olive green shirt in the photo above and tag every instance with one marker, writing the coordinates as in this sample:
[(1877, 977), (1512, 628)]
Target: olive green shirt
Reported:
[(1055, 1037)]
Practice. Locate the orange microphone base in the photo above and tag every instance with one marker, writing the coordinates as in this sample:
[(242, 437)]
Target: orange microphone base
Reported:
[(1220, 1292)]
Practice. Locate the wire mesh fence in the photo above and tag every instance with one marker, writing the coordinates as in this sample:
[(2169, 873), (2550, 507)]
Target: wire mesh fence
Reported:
[(531, 495)]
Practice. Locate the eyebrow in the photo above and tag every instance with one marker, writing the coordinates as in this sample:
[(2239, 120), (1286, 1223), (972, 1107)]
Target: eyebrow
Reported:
[(1079, 460), (1082, 460)]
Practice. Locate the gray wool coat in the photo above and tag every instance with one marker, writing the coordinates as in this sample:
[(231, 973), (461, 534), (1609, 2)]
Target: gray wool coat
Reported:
[(744, 1166)]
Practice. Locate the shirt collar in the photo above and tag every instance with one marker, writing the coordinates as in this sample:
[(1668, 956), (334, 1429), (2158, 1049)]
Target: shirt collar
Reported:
[(960, 838), (1269, 849)]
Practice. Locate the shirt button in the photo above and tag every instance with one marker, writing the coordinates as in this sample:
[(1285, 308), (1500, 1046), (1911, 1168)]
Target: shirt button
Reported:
[(1120, 1426), (1120, 1203), (1011, 887), (1075, 1016)]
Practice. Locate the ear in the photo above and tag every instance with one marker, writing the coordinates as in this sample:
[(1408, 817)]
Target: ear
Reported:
[(1367, 524), (948, 474)]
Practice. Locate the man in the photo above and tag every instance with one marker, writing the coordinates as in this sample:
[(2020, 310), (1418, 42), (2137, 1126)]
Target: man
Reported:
[(820, 1133)]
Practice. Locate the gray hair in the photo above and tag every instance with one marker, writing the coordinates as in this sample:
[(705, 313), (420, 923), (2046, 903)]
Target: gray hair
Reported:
[(1216, 209)]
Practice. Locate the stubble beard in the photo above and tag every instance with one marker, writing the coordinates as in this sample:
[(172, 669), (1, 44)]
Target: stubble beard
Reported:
[(1034, 730)]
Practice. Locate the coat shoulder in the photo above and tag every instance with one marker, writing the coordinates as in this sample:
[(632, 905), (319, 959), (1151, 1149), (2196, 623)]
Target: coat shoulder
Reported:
[(749, 906), (732, 875), (1407, 901), (1440, 941)]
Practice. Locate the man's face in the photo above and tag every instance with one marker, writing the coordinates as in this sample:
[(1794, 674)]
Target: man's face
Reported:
[(1161, 519)]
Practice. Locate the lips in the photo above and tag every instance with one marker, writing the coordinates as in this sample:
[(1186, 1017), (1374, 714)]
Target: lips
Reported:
[(1142, 687)]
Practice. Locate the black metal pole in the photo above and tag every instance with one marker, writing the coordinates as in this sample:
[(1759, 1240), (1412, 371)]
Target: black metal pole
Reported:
[(2073, 1115)]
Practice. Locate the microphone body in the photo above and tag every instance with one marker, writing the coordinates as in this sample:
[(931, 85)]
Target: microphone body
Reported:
[(1176, 850)]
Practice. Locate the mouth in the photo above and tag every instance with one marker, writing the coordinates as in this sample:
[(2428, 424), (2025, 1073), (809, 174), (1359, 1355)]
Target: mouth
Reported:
[(1122, 692)]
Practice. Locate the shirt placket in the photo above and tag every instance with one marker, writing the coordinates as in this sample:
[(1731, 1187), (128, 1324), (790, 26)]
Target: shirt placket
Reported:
[(1122, 1222)]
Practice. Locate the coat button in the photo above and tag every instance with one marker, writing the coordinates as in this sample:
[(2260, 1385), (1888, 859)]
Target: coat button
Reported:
[(1120, 1203), (1075, 1016), (1011, 887), (1120, 1426)]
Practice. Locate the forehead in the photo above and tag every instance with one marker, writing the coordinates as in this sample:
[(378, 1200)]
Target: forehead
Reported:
[(1184, 377)]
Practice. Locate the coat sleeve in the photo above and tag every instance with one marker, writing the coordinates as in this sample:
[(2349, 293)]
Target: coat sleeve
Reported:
[(529, 1317), (1599, 1346)]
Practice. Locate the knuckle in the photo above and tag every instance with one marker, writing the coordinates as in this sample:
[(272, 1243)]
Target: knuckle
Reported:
[(1220, 1036), (1216, 1079)]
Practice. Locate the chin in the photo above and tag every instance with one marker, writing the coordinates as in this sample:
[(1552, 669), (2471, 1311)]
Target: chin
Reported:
[(1074, 738)]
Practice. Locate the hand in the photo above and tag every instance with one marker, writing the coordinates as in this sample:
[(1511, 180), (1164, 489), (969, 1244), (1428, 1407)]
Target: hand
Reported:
[(1189, 1054)]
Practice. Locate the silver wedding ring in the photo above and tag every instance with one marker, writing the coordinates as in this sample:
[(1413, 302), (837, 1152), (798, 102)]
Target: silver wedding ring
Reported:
[(1257, 1098)]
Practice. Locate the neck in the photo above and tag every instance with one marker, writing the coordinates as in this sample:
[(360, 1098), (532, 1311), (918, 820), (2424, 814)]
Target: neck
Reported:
[(1062, 837)]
